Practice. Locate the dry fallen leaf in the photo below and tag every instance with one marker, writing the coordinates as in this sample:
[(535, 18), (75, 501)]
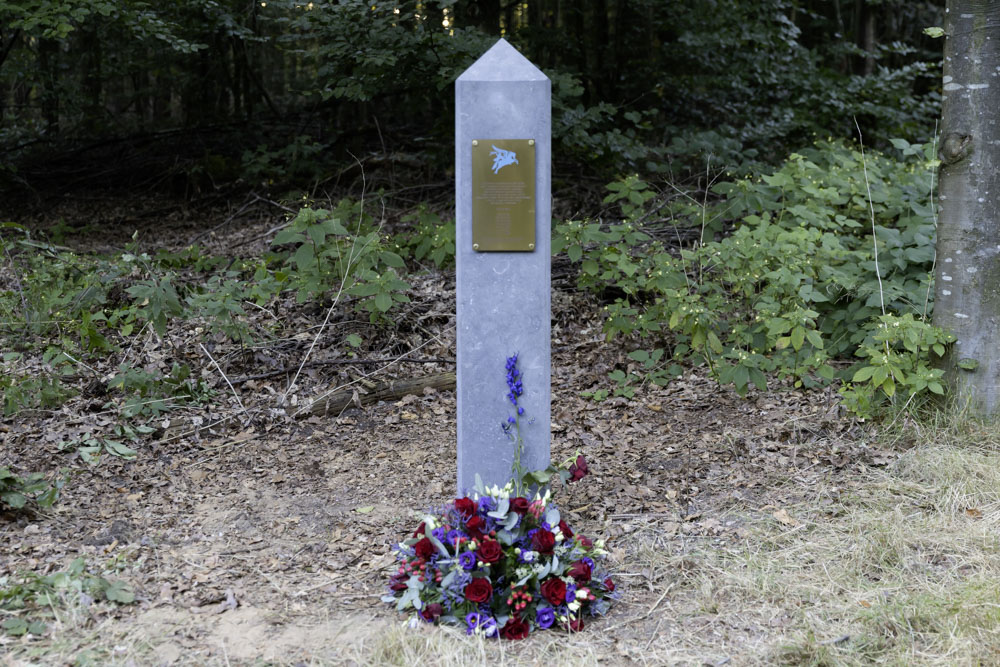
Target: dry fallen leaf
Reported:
[(973, 512), (782, 516)]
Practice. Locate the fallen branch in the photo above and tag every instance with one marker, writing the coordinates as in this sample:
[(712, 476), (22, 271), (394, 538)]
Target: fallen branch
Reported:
[(338, 362), (383, 391)]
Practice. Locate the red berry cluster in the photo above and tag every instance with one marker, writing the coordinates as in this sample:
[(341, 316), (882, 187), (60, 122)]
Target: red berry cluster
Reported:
[(518, 599)]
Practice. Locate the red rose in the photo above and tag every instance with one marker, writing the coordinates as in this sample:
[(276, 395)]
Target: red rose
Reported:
[(584, 541), (424, 549), (431, 611), (579, 571), (609, 585), (578, 470), (519, 505), (465, 507), (478, 590), (567, 533), (554, 590), (576, 625), (419, 530), (397, 582), (543, 541), (489, 551), (516, 628), (474, 527)]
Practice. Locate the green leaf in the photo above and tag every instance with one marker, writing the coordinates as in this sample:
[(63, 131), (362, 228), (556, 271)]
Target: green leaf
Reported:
[(13, 499), (864, 374), (934, 32), (968, 364), (889, 387), (639, 355), (119, 449), (392, 259), (15, 626), (798, 336), (120, 592), (574, 252), (383, 301), (815, 339)]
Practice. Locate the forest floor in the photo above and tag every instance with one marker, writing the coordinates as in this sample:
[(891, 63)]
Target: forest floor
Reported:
[(754, 530)]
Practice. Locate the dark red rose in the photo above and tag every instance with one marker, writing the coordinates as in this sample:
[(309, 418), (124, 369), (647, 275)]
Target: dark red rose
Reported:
[(465, 507), (516, 628), (519, 505), (567, 533), (419, 530), (609, 585), (584, 541), (489, 551), (554, 590), (543, 541), (397, 582), (579, 571), (576, 625), (431, 612), (478, 590), (424, 549), (578, 470), (474, 527)]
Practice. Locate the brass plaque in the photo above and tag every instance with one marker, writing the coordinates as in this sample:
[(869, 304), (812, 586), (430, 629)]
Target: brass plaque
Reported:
[(503, 195)]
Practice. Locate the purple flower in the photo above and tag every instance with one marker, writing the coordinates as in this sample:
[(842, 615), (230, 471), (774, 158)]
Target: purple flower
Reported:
[(439, 533), (489, 626), (454, 535), (467, 560), (589, 563), (472, 621), (570, 593), (487, 504), (545, 617)]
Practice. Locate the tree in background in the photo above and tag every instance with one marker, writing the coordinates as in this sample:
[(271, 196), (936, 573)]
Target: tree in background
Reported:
[(968, 243)]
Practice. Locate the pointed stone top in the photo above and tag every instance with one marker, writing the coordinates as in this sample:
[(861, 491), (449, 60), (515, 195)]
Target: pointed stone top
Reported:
[(502, 63)]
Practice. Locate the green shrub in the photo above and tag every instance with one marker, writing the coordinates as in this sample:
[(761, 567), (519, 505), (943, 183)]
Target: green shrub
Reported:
[(325, 256), (430, 239), (791, 289)]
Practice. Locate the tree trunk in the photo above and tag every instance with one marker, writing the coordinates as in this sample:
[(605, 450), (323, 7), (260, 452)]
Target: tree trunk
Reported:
[(868, 38), (967, 287)]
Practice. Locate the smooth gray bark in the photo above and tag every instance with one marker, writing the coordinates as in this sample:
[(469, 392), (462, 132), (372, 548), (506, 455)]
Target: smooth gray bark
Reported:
[(967, 280)]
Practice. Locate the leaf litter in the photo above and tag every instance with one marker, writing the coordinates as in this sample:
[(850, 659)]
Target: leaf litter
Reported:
[(249, 535)]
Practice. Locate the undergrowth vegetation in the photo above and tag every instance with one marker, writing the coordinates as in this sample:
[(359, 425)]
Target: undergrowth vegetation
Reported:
[(785, 280), (31, 602), (826, 260)]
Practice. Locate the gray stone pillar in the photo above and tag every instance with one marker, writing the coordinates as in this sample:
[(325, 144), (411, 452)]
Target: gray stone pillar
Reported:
[(503, 294)]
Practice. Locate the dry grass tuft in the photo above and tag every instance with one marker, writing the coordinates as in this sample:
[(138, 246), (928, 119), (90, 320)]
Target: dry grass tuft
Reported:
[(903, 569)]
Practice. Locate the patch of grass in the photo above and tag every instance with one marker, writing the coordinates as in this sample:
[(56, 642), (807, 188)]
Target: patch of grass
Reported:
[(902, 568)]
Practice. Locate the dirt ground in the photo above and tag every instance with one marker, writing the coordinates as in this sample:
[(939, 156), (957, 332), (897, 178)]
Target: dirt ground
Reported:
[(253, 537)]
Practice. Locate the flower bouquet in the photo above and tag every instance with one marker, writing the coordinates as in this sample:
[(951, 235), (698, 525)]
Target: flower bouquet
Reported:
[(499, 563)]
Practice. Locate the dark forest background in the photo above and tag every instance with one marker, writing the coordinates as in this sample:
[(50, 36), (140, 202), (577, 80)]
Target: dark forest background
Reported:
[(189, 95)]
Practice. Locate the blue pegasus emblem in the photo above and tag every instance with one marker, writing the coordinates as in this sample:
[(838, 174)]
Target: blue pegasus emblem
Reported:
[(502, 158)]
